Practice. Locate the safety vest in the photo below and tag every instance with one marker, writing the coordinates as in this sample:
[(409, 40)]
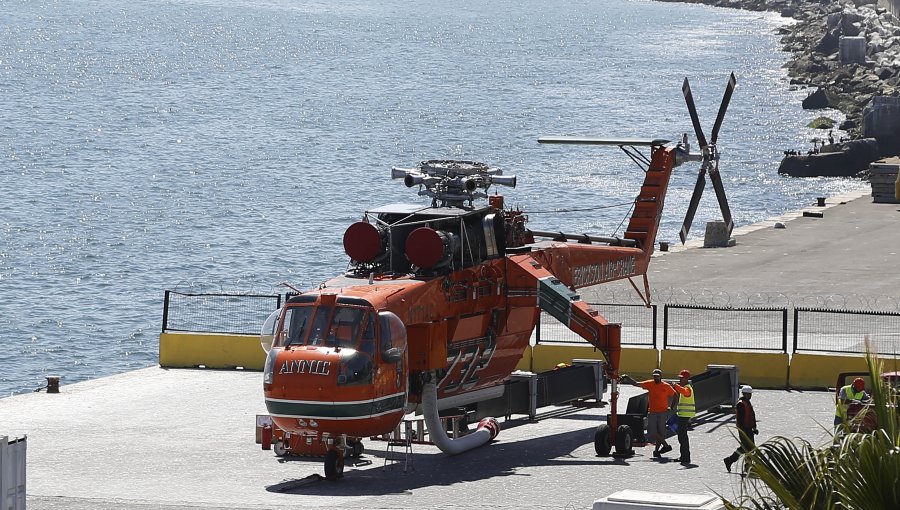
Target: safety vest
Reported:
[(840, 409), (685, 407)]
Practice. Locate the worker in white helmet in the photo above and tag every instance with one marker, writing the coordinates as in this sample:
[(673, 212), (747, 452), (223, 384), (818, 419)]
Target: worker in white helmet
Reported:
[(746, 424)]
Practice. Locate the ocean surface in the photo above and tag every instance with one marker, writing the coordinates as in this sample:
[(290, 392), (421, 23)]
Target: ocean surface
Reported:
[(224, 146)]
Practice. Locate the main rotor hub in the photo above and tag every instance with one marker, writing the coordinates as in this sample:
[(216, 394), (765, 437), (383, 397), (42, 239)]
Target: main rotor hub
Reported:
[(452, 183)]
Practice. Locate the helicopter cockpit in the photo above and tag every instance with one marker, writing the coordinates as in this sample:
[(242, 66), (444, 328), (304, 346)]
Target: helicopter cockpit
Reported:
[(356, 333)]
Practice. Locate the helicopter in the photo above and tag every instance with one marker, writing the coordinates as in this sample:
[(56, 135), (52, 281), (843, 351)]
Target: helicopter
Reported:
[(439, 302)]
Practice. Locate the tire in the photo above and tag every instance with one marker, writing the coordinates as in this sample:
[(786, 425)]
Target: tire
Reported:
[(279, 448), (623, 440), (601, 440), (334, 465), (357, 449)]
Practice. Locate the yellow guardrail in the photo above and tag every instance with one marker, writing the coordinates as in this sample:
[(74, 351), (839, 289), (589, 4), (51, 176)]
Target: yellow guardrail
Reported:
[(758, 369), (212, 350)]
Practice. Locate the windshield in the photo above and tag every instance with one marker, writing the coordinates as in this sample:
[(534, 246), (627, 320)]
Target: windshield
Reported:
[(329, 326)]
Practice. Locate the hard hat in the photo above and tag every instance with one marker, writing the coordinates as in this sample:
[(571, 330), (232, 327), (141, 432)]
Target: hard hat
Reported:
[(859, 384), (685, 373), (561, 365), (747, 389), (657, 371)]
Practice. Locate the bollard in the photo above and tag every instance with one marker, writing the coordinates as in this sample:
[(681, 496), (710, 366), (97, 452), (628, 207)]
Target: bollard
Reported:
[(52, 384), (663, 246), (820, 201)]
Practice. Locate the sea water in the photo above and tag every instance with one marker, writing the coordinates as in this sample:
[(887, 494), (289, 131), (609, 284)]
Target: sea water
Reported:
[(224, 146)]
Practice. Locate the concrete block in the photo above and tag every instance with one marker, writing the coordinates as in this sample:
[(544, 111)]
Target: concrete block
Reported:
[(852, 50), (717, 235)]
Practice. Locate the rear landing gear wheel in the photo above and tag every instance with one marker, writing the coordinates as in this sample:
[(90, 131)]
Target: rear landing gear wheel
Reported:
[(357, 449), (334, 465), (601, 440), (623, 440)]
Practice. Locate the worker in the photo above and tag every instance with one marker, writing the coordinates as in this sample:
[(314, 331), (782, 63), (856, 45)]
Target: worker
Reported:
[(853, 393), (660, 394), (684, 410), (746, 424)]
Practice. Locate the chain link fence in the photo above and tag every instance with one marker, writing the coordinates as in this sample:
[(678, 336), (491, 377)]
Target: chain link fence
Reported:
[(218, 313)]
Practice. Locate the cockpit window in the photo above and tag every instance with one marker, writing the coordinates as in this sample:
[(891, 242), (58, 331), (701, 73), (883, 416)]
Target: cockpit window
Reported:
[(329, 326), (367, 344), (345, 327), (320, 326), (296, 325)]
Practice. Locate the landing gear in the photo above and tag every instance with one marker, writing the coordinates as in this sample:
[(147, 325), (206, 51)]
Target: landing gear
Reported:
[(334, 464), (279, 448), (601, 440), (356, 449), (623, 440)]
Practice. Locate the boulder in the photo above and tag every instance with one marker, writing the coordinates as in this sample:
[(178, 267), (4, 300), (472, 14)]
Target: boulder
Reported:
[(816, 100)]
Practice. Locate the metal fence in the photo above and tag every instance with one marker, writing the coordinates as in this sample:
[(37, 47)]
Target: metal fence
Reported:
[(688, 326), (218, 313), (638, 325), (709, 327), (846, 331)]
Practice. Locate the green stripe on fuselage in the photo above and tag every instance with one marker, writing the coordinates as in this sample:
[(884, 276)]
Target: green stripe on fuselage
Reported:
[(336, 410)]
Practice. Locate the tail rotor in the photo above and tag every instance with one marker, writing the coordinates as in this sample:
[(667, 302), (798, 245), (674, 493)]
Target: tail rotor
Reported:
[(709, 163)]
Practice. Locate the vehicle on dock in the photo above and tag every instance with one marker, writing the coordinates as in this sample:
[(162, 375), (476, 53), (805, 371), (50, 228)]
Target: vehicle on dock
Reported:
[(861, 415), (439, 302)]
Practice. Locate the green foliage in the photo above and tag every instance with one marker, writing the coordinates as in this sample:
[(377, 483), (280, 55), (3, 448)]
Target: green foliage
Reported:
[(821, 123), (855, 471)]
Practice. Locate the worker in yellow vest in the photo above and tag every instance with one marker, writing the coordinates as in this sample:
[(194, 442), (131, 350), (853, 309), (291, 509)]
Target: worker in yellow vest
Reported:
[(685, 410), (851, 393)]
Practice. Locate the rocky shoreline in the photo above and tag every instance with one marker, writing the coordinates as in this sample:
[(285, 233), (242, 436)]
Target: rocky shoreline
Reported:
[(815, 45)]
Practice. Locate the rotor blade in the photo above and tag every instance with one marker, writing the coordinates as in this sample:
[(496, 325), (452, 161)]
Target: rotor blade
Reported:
[(689, 99), (716, 179), (729, 89), (692, 207)]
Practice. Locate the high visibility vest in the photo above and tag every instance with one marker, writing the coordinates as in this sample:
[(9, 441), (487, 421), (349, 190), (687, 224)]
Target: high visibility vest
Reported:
[(840, 409), (685, 407)]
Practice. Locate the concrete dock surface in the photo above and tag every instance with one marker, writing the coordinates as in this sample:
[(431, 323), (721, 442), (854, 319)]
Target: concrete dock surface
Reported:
[(852, 249), (180, 439)]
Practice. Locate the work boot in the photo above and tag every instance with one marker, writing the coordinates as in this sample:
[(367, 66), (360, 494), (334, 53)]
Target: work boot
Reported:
[(728, 462), (665, 449), (656, 453)]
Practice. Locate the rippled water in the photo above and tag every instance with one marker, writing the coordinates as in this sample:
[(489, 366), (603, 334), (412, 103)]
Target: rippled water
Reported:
[(225, 146)]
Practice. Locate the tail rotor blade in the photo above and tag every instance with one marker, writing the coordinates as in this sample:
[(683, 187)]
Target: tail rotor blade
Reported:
[(689, 99), (716, 179), (729, 89), (692, 207)]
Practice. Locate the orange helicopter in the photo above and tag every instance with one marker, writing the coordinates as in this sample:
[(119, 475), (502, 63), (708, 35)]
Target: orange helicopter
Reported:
[(440, 302)]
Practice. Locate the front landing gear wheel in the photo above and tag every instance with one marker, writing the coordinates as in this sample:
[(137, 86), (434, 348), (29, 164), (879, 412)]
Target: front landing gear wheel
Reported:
[(601, 440), (623, 440), (334, 465)]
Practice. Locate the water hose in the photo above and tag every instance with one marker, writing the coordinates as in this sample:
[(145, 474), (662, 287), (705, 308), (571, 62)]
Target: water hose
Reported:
[(488, 428)]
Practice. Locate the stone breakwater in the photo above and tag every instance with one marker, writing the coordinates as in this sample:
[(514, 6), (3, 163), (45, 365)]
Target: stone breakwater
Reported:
[(814, 43)]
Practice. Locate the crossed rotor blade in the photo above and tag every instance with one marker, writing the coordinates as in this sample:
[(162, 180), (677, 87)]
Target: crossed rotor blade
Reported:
[(692, 207), (729, 89), (710, 162), (689, 99), (716, 179)]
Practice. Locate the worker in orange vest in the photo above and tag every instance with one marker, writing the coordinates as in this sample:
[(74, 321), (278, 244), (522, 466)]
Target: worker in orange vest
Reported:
[(746, 424)]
